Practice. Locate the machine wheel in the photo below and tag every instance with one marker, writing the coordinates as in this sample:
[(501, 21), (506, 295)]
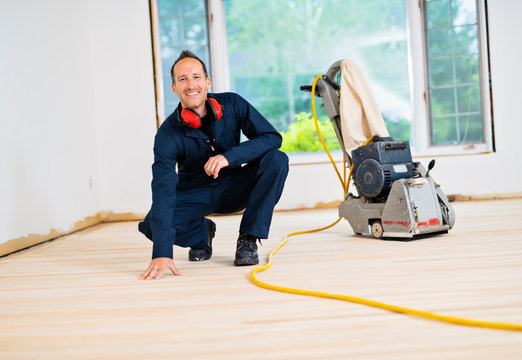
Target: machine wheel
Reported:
[(376, 229)]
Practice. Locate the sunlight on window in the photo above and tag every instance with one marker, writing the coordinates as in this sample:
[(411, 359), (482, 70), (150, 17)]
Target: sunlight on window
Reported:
[(454, 76), (275, 46)]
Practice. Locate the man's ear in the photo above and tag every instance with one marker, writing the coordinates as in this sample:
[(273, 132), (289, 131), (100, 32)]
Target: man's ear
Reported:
[(173, 88), (208, 83)]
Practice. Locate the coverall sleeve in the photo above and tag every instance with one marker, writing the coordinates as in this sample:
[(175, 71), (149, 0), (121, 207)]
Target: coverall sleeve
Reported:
[(262, 136), (164, 181)]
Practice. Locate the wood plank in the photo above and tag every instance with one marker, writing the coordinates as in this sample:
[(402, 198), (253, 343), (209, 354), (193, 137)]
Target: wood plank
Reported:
[(79, 297)]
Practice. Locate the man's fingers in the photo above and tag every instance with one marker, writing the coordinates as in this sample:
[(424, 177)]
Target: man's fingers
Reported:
[(159, 274), (211, 166), (145, 273), (152, 273), (214, 164), (174, 270), (157, 268)]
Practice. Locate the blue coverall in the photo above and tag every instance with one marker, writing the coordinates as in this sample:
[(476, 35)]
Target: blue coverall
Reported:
[(253, 180)]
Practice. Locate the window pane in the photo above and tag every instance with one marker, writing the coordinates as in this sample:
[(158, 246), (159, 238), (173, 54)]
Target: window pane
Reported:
[(470, 128), (170, 31), (441, 72), (193, 8), (443, 101), (170, 97), (444, 130), (465, 40), (169, 8), (276, 46), (453, 65), (464, 12), (167, 54), (183, 26), (438, 14), (439, 43), (468, 98), (195, 31), (467, 69)]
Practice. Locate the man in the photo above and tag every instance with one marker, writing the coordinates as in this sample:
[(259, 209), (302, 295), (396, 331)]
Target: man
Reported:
[(215, 172)]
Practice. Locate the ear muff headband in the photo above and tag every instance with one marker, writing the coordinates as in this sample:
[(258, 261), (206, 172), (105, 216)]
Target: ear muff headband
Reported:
[(192, 119)]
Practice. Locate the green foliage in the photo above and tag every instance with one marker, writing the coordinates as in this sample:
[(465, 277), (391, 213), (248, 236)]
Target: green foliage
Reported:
[(399, 130), (301, 135)]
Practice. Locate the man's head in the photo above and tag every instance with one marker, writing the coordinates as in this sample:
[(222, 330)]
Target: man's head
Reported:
[(190, 82), (183, 55)]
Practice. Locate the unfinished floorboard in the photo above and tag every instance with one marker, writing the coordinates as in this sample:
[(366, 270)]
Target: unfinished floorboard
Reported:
[(79, 297)]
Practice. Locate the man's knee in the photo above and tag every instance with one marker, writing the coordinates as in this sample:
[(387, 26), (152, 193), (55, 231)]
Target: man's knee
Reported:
[(276, 160)]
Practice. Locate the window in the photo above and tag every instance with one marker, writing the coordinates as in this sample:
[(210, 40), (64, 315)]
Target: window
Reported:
[(276, 46), (182, 26), (453, 68), (426, 61), (455, 87)]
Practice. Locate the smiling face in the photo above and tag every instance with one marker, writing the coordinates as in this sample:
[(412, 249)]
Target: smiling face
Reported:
[(191, 85)]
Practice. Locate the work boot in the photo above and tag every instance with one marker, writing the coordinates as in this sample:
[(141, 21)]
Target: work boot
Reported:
[(246, 251), (205, 253)]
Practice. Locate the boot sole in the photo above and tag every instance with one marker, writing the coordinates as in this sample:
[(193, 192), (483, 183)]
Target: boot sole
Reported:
[(246, 262)]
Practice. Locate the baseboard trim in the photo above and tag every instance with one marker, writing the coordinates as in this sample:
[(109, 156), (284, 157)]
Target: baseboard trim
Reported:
[(14, 245)]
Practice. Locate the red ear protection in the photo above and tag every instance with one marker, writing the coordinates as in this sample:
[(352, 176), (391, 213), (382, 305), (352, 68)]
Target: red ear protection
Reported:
[(192, 119), (215, 107)]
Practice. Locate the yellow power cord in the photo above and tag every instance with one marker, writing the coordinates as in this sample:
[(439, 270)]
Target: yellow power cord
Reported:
[(398, 309)]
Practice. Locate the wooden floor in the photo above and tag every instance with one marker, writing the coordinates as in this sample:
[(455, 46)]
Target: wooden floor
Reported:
[(79, 297)]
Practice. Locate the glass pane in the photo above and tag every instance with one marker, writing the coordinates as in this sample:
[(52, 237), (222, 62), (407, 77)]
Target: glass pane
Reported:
[(442, 101), (465, 40), (470, 128), (444, 131), (467, 69), (167, 90), (438, 14), (168, 55), (441, 72), (194, 7), (180, 30), (170, 31), (454, 69), (464, 12), (439, 43), (195, 31), (276, 46), (168, 7), (468, 98), (202, 52)]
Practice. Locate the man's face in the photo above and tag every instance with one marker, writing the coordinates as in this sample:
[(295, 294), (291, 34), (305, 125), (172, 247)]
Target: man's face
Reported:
[(191, 85)]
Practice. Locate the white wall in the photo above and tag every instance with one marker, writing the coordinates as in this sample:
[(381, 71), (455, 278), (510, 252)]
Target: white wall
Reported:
[(484, 174), (76, 112), (124, 104), (78, 120)]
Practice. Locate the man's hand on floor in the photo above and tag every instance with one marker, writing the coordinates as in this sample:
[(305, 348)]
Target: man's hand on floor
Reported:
[(157, 268)]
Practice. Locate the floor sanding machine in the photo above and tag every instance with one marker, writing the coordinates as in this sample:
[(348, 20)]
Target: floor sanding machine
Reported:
[(396, 197)]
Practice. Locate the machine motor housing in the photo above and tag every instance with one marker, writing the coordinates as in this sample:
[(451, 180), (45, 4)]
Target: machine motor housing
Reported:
[(379, 164)]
